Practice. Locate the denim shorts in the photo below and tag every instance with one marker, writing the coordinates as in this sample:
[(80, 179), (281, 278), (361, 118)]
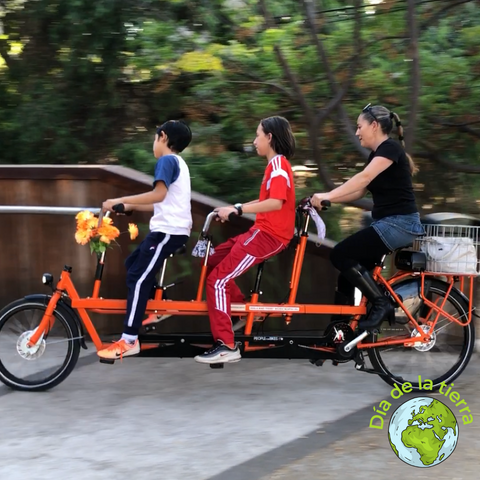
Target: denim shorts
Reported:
[(399, 231)]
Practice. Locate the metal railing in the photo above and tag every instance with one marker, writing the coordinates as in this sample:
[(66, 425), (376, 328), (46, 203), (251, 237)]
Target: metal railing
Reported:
[(46, 210)]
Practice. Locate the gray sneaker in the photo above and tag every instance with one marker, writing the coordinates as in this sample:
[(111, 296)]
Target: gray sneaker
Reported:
[(219, 353)]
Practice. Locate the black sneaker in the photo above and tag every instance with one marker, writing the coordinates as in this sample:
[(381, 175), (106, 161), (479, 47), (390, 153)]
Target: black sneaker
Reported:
[(219, 353)]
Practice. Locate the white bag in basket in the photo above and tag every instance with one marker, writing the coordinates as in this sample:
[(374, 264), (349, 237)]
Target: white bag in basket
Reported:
[(450, 254)]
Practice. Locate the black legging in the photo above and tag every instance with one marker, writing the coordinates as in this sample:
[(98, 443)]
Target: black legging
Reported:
[(365, 248)]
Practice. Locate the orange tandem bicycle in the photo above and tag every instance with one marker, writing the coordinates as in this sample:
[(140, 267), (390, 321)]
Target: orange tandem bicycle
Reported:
[(431, 335)]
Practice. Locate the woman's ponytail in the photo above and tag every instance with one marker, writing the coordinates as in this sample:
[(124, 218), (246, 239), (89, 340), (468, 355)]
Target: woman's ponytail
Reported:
[(398, 124)]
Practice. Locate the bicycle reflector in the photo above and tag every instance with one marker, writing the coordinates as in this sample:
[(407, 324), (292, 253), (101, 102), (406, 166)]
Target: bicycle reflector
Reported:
[(47, 279)]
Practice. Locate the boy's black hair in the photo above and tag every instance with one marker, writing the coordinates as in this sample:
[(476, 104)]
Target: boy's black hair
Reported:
[(178, 133), (283, 141)]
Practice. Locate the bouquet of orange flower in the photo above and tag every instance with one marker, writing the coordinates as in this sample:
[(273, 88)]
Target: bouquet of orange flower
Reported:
[(99, 237)]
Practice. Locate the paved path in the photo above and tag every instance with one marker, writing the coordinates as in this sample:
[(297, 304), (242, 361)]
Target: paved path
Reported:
[(174, 419)]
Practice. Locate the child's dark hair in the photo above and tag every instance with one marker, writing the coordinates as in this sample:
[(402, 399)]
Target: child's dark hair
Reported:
[(385, 119), (283, 141), (178, 133)]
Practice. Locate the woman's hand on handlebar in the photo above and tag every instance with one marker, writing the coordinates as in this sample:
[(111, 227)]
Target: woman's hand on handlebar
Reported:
[(317, 199), (224, 213)]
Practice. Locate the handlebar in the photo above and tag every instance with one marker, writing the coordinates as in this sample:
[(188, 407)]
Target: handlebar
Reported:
[(120, 208), (209, 219), (306, 203), (303, 205)]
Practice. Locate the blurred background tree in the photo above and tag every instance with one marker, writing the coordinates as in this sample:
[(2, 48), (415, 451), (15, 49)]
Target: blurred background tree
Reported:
[(87, 82)]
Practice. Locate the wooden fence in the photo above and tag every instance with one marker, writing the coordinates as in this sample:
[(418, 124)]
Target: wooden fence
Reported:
[(31, 244)]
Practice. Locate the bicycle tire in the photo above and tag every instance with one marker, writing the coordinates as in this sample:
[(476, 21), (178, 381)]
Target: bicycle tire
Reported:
[(71, 358), (455, 299)]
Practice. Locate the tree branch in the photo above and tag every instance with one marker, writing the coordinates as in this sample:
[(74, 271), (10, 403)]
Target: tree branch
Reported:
[(438, 14), (310, 22), (432, 155), (267, 84), (415, 81), (357, 41), (310, 118), (462, 127)]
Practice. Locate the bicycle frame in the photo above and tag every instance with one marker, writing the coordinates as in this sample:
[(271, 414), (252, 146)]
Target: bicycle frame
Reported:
[(198, 307)]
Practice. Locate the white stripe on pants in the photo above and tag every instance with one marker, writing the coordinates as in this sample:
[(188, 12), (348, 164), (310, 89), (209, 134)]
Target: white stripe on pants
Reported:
[(220, 294), (138, 285)]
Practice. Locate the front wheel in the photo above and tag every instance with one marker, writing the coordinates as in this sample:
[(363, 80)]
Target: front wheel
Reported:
[(47, 363), (441, 360)]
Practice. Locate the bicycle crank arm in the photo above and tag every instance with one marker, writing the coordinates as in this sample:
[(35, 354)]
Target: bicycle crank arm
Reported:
[(349, 346)]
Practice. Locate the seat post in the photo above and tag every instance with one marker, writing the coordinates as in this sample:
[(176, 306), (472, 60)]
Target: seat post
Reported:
[(258, 278), (162, 273)]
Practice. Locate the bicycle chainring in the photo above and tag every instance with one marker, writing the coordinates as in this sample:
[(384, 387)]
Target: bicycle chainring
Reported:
[(338, 335)]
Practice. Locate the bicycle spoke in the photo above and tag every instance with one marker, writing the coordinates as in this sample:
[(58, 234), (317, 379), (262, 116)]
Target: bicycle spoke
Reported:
[(441, 358), (35, 367)]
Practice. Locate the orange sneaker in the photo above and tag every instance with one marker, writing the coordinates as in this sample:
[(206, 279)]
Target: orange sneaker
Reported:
[(120, 349)]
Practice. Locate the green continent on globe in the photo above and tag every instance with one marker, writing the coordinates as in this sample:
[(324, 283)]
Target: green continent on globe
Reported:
[(393, 445), (429, 441)]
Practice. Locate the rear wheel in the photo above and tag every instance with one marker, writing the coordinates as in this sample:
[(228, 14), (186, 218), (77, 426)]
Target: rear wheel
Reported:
[(441, 360), (47, 363)]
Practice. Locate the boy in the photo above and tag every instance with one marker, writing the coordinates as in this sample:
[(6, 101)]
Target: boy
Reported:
[(273, 229), (170, 228)]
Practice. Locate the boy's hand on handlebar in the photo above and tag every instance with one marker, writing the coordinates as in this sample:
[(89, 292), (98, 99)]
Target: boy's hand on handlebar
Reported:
[(224, 212), (116, 205), (316, 200), (107, 205)]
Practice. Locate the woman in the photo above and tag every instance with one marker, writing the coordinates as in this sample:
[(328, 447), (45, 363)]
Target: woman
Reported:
[(396, 221)]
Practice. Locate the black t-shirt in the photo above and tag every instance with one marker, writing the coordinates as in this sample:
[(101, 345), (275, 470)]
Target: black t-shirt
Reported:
[(392, 190)]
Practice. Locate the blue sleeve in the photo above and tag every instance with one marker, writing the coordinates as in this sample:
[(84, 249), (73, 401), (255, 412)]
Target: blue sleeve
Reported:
[(167, 170)]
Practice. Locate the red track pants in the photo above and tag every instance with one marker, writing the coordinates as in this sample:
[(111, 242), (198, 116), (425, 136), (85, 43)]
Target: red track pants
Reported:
[(230, 260)]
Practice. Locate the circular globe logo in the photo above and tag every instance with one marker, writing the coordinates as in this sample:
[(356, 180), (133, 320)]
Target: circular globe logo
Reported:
[(423, 432)]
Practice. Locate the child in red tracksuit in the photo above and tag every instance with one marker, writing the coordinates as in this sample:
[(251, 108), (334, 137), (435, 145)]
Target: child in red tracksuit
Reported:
[(273, 229)]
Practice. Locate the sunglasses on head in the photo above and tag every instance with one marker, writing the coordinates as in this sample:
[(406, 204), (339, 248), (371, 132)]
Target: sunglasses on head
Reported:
[(368, 109)]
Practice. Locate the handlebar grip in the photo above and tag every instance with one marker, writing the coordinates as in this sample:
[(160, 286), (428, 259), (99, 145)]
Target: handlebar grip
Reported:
[(120, 208), (232, 216), (326, 204)]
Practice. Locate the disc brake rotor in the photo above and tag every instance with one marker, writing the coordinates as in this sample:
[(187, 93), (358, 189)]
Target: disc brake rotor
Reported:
[(33, 352), (421, 346)]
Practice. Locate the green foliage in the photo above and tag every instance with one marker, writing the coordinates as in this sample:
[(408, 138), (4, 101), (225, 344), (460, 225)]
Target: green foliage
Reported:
[(85, 82)]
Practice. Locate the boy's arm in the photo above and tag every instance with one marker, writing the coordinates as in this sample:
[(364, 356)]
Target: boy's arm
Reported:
[(167, 171), (144, 200), (138, 208)]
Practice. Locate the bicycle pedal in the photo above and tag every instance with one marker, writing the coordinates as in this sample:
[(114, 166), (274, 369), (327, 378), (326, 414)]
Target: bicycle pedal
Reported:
[(217, 365), (318, 363), (108, 361)]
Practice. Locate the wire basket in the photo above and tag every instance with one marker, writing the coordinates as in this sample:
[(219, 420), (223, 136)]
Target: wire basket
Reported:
[(450, 249)]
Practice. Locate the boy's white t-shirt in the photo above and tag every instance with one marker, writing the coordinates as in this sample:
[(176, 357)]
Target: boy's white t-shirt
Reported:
[(174, 214)]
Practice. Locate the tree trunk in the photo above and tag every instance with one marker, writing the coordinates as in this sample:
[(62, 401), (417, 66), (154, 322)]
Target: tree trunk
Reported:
[(415, 76)]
